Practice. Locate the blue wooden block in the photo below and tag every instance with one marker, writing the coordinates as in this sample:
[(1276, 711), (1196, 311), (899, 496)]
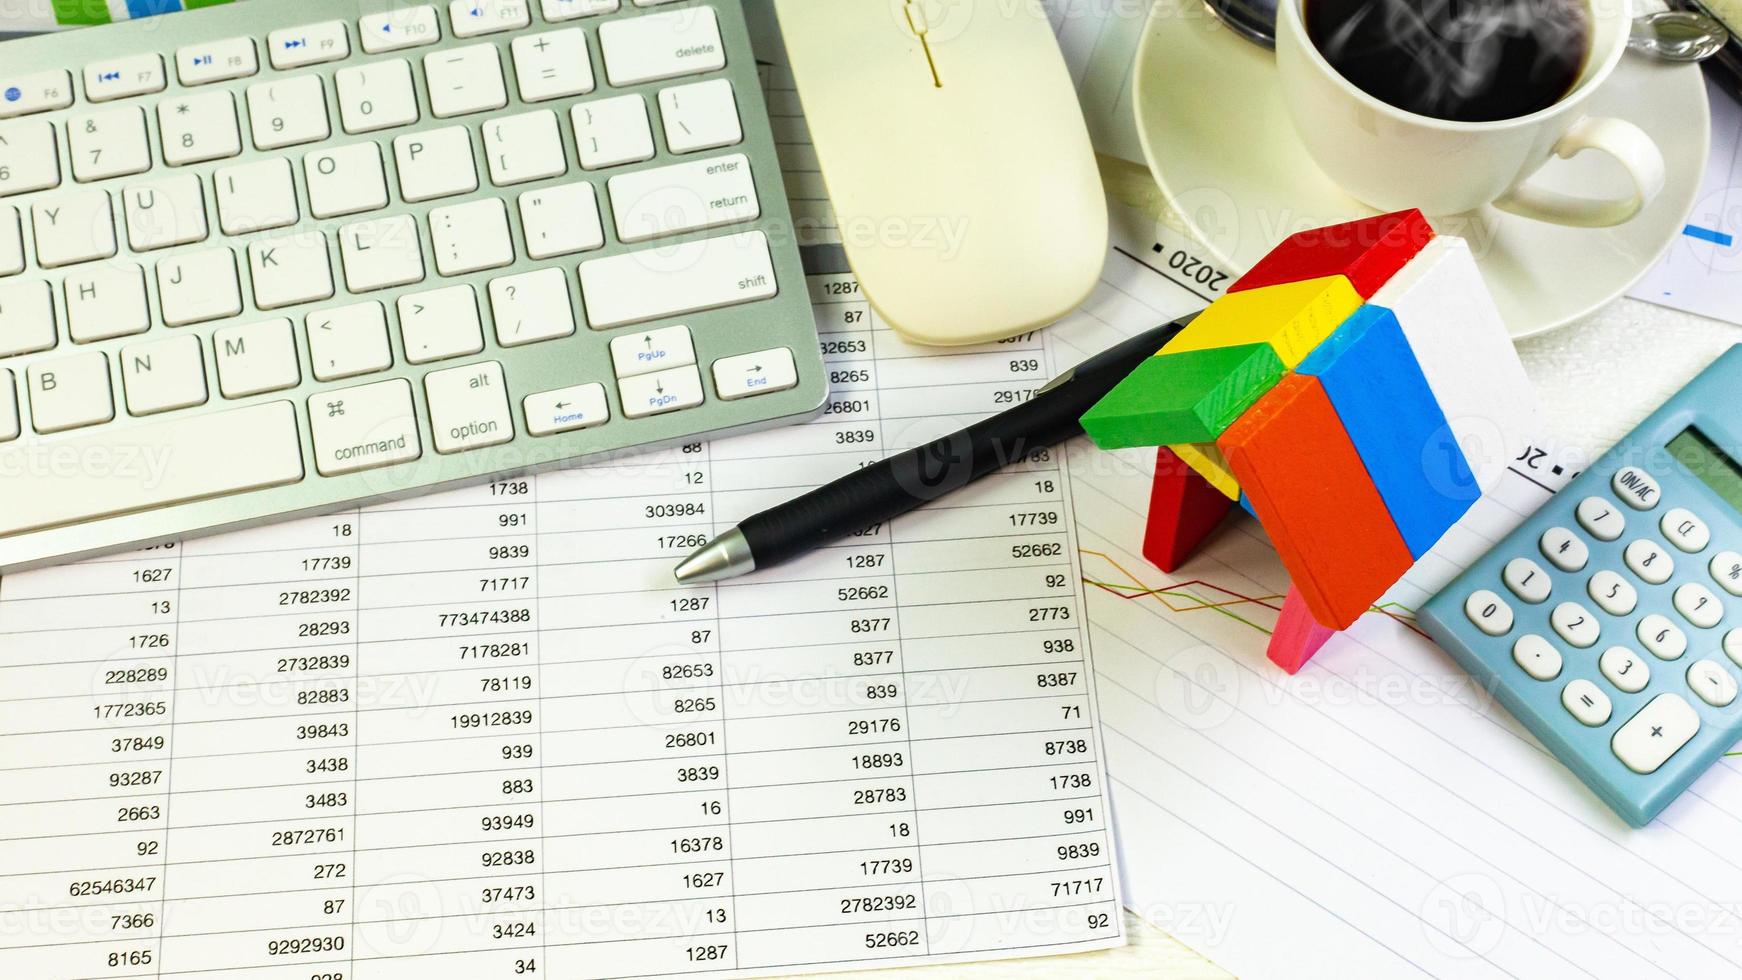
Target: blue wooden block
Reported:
[(1246, 505), (1383, 400)]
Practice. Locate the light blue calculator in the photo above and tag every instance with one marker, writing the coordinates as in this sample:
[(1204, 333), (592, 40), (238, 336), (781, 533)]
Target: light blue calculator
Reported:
[(1610, 622)]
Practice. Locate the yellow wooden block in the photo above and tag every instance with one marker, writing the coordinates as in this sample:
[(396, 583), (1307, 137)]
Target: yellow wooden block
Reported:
[(1291, 317), (1206, 460)]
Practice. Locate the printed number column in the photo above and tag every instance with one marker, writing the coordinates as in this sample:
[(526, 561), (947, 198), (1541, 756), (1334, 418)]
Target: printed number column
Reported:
[(261, 829), (449, 863), (84, 764), (640, 879), (825, 836)]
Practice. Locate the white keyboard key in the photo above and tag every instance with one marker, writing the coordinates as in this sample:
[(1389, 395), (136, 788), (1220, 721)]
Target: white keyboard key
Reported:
[(1657, 732), (664, 391), (348, 341), (1662, 638), (1601, 519), (256, 196), (9, 422), (1733, 646), (203, 456), (1651, 563), (435, 163), (193, 287), (196, 128), (566, 409), (345, 180), (364, 427), (12, 241), (290, 270), (524, 148), (215, 61), (73, 228), (21, 95), (1564, 550), (756, 373), (468, 407), (1585, 702), (471, 236), (464, 80), (69, 393), (700, 116), (683, 197), (110, 143), (1682, 528), (26, 317), (560, 220), (552, 65), (556, 10), (395, 30), (163, 375), (1698, 605), (1527, 580), (1575, 624), (474, 17), (652, 350), (381, 253), (439, 324), (106, 301), (119, 78), (1726, 569), (310, 44), (376, 96), (162, 213), (1636, 488), (647, 49), (677, 279), (1537, 656), (1712, 683), (1624, 669), (612, 132), (28, 158), (1612, 593), (531, 307), (255, 358), (288, 111)]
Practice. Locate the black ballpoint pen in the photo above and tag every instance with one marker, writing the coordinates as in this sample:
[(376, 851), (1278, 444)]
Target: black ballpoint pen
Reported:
[(910, 479)]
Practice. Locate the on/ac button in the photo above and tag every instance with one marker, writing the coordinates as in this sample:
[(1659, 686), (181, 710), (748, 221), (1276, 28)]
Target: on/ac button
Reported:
[(1636, 488)]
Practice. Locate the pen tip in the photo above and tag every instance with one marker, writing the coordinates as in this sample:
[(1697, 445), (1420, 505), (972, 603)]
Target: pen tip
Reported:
[(727, 556)]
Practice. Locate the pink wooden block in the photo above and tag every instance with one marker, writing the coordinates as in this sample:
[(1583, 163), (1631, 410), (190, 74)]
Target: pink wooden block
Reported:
[(1298, 635)]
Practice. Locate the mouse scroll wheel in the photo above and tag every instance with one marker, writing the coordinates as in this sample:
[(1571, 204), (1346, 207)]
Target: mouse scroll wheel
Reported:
[(916, 19)]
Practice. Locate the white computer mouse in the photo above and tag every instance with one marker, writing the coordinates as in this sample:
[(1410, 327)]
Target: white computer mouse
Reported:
[(957, 160)]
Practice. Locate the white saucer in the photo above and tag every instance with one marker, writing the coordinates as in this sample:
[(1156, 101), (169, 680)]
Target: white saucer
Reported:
[(1220, 143)]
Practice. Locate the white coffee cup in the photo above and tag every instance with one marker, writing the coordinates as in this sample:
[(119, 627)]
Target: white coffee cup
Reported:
[(1392, 159)]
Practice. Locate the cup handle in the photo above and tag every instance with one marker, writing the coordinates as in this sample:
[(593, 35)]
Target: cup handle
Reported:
[(1619, 138)]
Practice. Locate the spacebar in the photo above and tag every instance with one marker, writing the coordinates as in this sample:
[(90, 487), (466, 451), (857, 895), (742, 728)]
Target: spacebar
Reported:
[(119, 470)]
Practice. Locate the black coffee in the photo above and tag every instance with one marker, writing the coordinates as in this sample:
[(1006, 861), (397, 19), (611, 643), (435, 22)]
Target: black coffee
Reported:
[(1466, 60)]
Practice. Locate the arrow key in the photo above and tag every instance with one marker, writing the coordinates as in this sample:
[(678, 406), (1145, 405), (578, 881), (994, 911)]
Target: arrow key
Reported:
[(647, 351), (666, 391), (755, 374), (566, 409)]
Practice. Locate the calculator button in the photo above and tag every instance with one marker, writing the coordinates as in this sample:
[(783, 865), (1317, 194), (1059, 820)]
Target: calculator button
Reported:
[(1601, 519), (1612, 593), (1733, 646), (1489, 612), (1662, 638), (1636, 488), (1537, 656), (1624, 669), (1660, 728), (1712, 683), (1726, 569), (1575, 624), (1527, 580), (1564, 549), (1585, 702), (1687, 532), (1698, 605), (1649, 562)]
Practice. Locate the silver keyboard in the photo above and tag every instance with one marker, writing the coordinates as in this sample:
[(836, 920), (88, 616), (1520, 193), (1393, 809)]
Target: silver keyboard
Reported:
[(283, 257)]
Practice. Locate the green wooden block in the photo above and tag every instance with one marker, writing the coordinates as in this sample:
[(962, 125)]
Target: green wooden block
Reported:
[(1190, 396)]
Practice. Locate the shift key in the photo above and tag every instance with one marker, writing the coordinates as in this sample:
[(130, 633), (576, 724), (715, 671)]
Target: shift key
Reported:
[(672, 280)]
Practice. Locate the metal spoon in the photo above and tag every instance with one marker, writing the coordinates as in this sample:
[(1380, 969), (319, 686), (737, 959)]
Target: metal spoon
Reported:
[(1670, 35)]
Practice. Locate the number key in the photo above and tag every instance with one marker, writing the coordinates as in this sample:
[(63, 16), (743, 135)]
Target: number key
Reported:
[(1649, 562), (1698, 605), (1600, 519), (1527, 580), (1489, 612), (1564, 549), (1575, 624), (1624, 669), (1662, 638), (1612, 593)]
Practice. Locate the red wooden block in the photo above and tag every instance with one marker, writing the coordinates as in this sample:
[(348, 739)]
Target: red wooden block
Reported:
[(1183, 509), (1298, 635), (1313, 495), (1368, 252)]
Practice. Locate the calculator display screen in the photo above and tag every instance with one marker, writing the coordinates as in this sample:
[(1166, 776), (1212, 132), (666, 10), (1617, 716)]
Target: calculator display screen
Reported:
[(1709, 464)]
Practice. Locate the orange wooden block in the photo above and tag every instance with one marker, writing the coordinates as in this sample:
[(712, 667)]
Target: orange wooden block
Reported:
[(1314, 497), (1183, 509), (1298, 635)]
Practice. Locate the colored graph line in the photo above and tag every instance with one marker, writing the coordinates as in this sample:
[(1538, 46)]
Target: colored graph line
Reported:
[(1709, 235)]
